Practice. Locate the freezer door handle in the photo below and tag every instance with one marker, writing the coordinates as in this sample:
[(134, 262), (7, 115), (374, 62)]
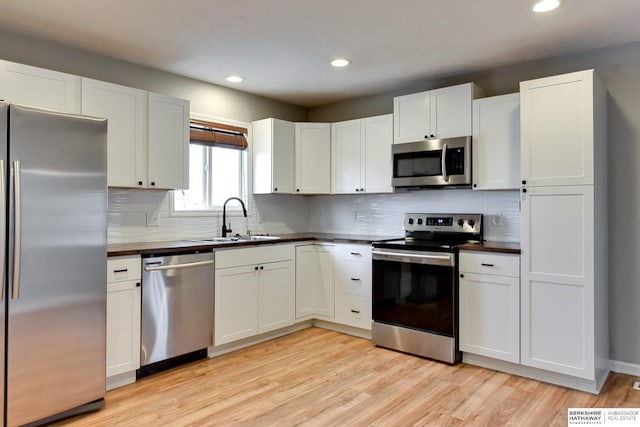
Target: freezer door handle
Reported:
[(3, 224), (17, 231)]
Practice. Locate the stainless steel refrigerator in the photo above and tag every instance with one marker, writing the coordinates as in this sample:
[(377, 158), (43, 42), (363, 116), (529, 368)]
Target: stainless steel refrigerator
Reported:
[(53, 220)]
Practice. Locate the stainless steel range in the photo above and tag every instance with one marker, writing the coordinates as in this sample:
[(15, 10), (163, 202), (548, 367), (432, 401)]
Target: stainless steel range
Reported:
[(415, 285)]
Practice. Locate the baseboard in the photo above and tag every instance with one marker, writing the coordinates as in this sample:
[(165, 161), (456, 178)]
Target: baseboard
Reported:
[(121, 380), (344, 329), (624, 368)]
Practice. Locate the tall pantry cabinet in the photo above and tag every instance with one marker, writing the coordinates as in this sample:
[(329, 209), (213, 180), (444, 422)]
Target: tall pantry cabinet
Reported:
[(564, 316)]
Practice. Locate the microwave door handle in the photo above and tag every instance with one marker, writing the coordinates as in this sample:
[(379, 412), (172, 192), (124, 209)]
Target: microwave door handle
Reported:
[(445, 175)]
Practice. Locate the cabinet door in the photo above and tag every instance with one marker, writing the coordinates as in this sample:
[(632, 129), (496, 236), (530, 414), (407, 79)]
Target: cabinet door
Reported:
[(276, 296), (451, 111), (490, 316), (123, 327), (557, 121), (411, 117), (38, 87), (126, 111), (236, 304), (315, 281), (377, 139), (557, 268), (313, 158), (273, 156), (496, 143), (168, 156), (346, 157)]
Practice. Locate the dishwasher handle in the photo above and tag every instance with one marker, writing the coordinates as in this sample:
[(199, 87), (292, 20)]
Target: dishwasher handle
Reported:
[(178, 266)]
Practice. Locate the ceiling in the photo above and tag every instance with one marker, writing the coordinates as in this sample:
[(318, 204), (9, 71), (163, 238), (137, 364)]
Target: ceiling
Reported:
[(283, 47)]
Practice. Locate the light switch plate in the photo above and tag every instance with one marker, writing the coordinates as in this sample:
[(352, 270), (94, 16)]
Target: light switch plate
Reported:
[(152, 219)]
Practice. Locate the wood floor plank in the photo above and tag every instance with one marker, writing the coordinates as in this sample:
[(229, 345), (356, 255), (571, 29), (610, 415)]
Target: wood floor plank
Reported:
[(317, 377)]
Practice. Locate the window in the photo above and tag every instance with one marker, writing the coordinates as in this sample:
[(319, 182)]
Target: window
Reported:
[(217, 168)]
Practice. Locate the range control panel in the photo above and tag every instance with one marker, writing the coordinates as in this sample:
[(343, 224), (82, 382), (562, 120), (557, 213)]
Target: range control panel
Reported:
[(448, 223)]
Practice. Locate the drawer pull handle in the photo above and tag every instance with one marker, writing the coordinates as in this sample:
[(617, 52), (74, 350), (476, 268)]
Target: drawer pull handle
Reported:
[(122, 270), (355, 311), (486, 265), (356, 254), (355, 279)]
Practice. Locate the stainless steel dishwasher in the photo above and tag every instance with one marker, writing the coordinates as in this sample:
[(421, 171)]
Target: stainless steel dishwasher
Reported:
[(177, 310)]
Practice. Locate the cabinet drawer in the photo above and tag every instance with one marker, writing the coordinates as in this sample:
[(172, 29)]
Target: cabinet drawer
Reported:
[(353, 310), (484, 263), (353, 277), (227, 258), (121, 269), (354, 252)]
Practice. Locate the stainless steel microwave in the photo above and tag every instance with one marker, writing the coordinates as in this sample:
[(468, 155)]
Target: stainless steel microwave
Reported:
[(432, 163)]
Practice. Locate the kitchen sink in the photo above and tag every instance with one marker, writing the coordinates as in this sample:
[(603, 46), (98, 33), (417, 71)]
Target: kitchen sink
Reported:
[(232, 239)]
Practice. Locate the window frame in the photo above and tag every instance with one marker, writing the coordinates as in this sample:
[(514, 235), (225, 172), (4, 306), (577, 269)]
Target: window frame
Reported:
[(233, 209)]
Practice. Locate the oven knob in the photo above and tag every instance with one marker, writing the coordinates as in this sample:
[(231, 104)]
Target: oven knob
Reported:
[(461, 222), (471, 223), (410, 221), (419, 221)]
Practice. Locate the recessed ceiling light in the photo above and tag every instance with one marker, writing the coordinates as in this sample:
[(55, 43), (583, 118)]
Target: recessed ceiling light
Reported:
[(340, 62), (545, 5), (234, 79)]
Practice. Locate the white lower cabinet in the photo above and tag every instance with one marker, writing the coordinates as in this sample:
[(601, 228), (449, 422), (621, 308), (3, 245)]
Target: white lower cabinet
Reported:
[(255, 291), (490, 305), (353, 285), (123, 319), (315, 283)]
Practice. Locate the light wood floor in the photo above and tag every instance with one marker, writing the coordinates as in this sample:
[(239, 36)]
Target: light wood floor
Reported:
[(322, 378)]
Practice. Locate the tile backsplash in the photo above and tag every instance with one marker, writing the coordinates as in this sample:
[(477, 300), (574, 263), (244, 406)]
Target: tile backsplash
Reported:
[(376, 215)]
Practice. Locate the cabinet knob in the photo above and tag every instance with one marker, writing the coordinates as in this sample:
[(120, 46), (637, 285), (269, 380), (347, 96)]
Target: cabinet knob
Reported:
[(475, 185), (262, 267), (355, 279), (139, 182), (138, 284), (524, 190), (461, 275), (355, 311), (524, 182), (153, 183), (275, 189), (362, 189), (255, 268), (297, 190), (357, 189)]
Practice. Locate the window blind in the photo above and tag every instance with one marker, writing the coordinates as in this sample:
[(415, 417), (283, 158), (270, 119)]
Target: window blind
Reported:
[(218, 135)]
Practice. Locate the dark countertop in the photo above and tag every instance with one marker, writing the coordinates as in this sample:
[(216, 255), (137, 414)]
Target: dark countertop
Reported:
[(486, 246), (173, 246)]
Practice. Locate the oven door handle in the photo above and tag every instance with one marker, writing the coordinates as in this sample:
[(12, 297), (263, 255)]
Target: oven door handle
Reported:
[(446, 259)]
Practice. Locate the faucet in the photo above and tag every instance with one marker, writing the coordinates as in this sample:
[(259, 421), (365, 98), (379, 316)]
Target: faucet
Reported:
[(226, 230)]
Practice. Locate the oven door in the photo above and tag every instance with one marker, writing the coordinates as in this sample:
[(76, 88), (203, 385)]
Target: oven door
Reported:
[(415, 290)]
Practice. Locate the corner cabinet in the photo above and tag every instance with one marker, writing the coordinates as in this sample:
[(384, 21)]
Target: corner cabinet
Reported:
[(168, 152), (273, 156), (361, 155), (254, 292), (490, 305), (148, 135), (564, 226), (496, 143), (438, 113), (315, 286), (313, 158), (123, 319), (38, 87)]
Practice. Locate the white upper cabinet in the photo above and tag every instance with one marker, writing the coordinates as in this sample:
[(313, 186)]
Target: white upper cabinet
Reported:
[(168, 149), (313, 158), (557, 120), (439, 113), (37, 87), (496, 142), (273, 156), (361, 155), (126, 111)]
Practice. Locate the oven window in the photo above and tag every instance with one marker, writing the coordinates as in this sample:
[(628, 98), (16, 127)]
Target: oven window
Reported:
[(416, 296), (424, 163)]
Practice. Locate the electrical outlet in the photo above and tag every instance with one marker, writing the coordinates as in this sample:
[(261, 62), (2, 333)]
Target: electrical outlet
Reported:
[(496, 220), (636, 385), (152, 219)]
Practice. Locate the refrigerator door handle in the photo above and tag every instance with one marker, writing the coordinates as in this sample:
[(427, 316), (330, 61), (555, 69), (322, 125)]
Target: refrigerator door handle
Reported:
[(17, 231), (3, 223)]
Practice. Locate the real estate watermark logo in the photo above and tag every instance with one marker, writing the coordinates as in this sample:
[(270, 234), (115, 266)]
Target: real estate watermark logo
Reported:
[(625, 417)]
